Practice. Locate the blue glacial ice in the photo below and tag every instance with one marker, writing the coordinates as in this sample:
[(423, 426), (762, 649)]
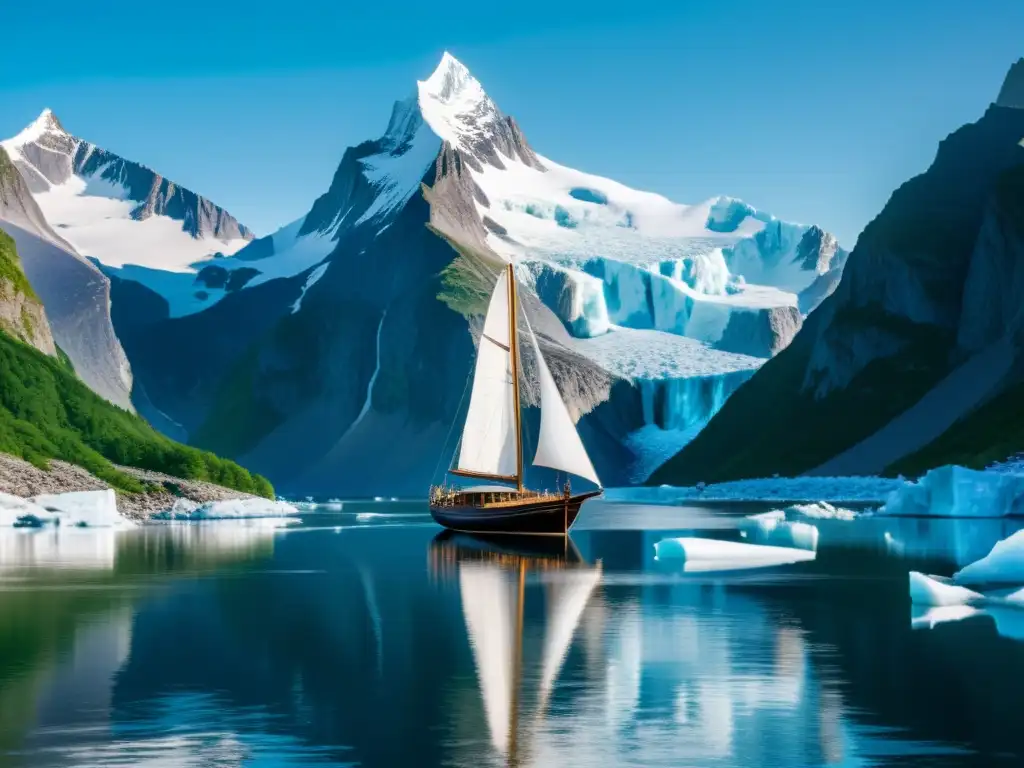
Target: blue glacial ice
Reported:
[(954, 491)]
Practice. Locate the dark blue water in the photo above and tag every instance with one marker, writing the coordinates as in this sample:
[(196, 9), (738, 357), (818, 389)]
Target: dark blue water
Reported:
[(363, 637)]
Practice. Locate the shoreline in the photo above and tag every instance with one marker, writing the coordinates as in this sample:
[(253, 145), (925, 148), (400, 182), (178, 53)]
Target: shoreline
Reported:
[(19, 478)]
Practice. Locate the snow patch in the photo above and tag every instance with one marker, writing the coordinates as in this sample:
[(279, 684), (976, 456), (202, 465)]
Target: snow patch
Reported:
[(311, 280)]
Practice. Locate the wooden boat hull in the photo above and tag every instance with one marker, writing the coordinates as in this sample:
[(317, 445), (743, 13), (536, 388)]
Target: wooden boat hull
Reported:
[(550, 516)]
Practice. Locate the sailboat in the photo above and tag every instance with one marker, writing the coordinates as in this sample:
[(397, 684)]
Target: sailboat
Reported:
[(492, 439)]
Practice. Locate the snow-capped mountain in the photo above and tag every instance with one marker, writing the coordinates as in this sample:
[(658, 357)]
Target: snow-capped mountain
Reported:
[(75, 294), (338, 351), (134, 222)]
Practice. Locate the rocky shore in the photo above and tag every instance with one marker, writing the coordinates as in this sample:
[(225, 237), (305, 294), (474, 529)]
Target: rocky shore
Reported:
[(19, 478)]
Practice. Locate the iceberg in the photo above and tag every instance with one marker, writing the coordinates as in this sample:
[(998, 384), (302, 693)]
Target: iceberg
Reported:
[(1003, 565), (17, 512), (703, 555), (932, 590), (81, 509), (954, 491), (772, 528), (928, 617), (232, 509)]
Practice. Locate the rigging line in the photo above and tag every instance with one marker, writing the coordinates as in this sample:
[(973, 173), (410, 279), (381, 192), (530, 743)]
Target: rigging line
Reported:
[(444, 446)]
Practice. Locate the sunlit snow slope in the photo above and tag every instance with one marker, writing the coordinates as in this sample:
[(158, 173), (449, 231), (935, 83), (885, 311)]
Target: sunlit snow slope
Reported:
[(135, 223)]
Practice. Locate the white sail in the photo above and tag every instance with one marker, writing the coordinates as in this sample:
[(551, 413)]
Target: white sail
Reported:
[(488, 604), (489, 437), (558, 445)]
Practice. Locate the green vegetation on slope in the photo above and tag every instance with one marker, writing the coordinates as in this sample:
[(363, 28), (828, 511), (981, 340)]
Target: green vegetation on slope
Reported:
[(10, 269), (734, 445), (46, 413)]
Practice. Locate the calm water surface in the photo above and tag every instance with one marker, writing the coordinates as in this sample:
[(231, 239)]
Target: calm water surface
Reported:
[(365, 637)]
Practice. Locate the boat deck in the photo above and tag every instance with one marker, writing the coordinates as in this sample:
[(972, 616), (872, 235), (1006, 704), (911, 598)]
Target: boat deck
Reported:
[(441, 496)]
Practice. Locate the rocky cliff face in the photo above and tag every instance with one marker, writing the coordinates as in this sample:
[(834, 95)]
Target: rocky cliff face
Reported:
[(73, 291), (934, 279), (1012, 92), (21, 313)]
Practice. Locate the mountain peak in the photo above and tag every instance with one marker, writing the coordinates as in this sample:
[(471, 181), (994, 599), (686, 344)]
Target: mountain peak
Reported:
[(1012, 92), (455, 105), (449, 80), (47, 122)]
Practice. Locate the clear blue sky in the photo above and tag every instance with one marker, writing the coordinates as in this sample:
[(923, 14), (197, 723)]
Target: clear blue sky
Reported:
[(811, 109)]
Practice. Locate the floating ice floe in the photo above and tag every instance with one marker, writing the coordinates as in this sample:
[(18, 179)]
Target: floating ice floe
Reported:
[(772, 528), (954, 491), (81, 509), (702, 555), (926, 617), (934, 591), (1003, 565), (184, 509), (822, 510), (779, 489)]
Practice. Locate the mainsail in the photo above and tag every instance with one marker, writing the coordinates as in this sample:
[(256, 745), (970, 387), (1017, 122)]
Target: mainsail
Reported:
[(490, 437)]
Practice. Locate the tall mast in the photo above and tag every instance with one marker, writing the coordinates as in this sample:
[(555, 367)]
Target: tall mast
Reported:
[(513, 327)]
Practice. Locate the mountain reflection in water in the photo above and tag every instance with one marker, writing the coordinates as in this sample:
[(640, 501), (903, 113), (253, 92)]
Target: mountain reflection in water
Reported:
[(385, 643)]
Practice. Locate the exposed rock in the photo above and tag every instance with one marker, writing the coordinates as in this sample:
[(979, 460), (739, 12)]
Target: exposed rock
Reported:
[(22, 317), (1012, 92), (760, 332), (993, 297)]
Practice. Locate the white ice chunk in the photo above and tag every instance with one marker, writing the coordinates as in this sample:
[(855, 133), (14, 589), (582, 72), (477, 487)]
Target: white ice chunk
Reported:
[(928, 617), (87, 509), (954, 491), (16, 511), (701, 555), (773, 529), (822, 510), (930, 590), (226, 510), (1003, 565)]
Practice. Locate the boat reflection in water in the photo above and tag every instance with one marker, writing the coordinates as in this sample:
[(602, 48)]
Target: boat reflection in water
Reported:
[(493, 576)]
